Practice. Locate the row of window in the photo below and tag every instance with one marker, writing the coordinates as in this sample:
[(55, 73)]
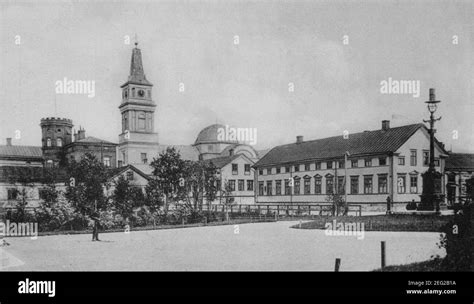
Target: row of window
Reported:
[(59, 142), (235, 169), (240, 184), (368, 162), (293, 186)]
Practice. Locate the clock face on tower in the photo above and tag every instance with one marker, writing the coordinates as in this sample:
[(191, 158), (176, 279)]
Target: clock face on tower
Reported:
[(141, 93)]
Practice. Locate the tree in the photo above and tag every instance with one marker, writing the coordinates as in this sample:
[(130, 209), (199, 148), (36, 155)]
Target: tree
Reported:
[(168, 169), (200, 182), (154, 195), (87, 184), (126, 197), (338, 203), (226, 194)]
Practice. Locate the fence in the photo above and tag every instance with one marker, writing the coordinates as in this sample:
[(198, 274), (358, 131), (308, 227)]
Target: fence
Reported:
[(282, 209)]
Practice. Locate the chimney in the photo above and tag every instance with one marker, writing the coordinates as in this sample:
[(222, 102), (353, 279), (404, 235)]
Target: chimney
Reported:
[(385, 125), (81, 134), (9, 141), (299, 139)]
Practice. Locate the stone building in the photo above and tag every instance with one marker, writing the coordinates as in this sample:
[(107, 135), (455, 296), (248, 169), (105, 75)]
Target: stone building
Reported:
[(365, 167)]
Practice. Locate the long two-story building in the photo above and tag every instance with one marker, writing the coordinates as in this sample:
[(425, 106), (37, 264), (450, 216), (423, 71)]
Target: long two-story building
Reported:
[(365, 167)]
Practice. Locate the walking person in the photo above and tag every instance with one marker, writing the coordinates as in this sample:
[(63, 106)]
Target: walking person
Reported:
[(95, 231)]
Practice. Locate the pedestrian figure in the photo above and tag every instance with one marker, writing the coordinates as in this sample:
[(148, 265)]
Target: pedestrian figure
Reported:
[(389, 201), (95, 231)]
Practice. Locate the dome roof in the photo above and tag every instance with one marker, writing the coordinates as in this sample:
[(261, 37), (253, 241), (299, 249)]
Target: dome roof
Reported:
[(209, 135)]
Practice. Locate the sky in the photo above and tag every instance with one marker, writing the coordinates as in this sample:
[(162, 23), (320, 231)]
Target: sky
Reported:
[(285, 68)]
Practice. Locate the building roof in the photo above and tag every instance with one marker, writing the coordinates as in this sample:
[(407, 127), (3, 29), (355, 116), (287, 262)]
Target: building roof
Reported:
[(137, 74), (21, 152), (363, 143), (116, 171), (220, 162), (460, 162), (209, 135), (93, 140)]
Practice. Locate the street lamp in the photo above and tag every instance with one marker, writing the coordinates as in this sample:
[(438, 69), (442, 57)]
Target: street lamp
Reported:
[(431, 195)]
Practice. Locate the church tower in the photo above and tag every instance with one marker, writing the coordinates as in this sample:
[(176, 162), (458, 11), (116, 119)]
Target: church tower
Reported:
[(138, 143)]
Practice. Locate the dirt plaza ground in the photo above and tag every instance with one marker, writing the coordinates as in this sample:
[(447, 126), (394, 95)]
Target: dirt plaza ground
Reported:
[(247, 247)]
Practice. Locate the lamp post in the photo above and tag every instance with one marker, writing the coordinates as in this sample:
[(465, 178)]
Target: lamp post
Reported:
[(431, 196)]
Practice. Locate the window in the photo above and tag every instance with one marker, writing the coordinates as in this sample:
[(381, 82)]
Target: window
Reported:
[(354, 163), (260, 188), (297, 168), (426, 158), (383, 184), (306, 167), (232, 184), (107, 161), (297, 186), (329, 185), (143, 158), (59, 142), (412, 157), (287, 187), (130, 175), (123, 158), (48, 142), (401, 186), (278, 187), (413, 184), (278, 170), (269, 187), (368, 162), (241, 185), (354, 185), (340, 164), (401, 161), (141, 121), (269, 171), (340, 185), (436, 162), (329, 165), (133, 92), (368, 184), (382, 161), (235, 169), (287, 169), (317, 185), (318, 165), (49, 163), (120, 163), (247, 169), (12, 193), (307, 186), (250, 185), (260, 172)]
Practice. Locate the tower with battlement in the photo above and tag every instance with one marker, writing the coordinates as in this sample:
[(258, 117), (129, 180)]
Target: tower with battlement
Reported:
[(55, 134)]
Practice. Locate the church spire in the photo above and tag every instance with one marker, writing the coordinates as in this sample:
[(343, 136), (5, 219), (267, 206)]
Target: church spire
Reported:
[(137, 75)]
